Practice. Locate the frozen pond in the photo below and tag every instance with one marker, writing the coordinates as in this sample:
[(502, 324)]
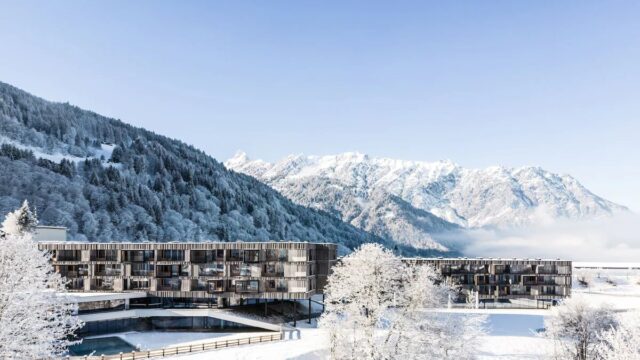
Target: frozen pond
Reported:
[(108, 345)]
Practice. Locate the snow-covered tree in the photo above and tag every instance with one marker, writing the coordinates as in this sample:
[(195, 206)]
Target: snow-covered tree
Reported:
[(377, 307), (623, 342), (36, 320), (575, 327), (360, 290), (421, 332), (21, 221), (584, 277)]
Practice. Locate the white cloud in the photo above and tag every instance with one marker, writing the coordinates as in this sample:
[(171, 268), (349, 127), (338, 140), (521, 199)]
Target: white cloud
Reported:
[(606, 239)]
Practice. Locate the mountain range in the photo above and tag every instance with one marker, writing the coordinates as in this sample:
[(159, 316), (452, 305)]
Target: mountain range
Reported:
[(106, 180), (414, 202)]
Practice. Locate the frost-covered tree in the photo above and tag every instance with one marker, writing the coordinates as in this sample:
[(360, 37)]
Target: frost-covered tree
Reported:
[(360, 291), (575, 327), (377, 307), (623, 342), (420, 332), (21, 221), (36, 319)]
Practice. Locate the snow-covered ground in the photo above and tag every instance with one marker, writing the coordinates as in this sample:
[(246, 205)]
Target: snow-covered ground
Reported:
[(511, 333), (617, 284), (104, 153)]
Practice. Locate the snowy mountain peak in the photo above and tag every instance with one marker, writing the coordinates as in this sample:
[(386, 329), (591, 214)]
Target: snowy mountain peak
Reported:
[(349, 185)]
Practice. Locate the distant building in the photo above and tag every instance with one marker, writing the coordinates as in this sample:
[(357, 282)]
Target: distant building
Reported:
[(494, 280), (221, 273), (50, 233)]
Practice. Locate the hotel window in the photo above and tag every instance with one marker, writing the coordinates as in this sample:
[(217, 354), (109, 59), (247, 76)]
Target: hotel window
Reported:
[(251, 256), (171, 255), (234, 255)]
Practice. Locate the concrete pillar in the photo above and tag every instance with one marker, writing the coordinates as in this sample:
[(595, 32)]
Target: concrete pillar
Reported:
[(185, 285), (85, 255), (126, 304), (118, 284)]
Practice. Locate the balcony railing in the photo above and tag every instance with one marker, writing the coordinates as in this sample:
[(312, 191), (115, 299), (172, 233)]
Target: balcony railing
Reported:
[(167, 274), (108, 272), (141, 272), (276, 289), (103, 287), (68, 258), (169, 286)]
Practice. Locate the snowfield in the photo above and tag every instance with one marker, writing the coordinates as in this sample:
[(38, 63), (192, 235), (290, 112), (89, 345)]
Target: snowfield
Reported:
[(512, 335)]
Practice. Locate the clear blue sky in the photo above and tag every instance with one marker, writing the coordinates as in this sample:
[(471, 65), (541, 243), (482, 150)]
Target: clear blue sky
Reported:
[(548, 83)]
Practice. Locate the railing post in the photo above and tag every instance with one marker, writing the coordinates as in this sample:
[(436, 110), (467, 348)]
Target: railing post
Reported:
[(120, 355), (189, 348), (133, 355), (162, 352), (202, 346)]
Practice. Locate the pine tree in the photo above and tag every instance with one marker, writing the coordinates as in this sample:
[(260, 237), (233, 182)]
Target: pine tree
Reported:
[(21, 221)]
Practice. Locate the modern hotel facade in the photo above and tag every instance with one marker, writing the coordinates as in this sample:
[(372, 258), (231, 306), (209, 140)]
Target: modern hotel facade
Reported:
[(506, 279), (224, 272), (227, 273)]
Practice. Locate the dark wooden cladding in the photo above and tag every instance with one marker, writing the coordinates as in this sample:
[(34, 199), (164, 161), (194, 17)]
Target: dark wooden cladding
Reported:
[(503, 279), (234, 270)]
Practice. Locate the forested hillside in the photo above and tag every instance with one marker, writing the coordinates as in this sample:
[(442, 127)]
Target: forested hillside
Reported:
[(106, 180)]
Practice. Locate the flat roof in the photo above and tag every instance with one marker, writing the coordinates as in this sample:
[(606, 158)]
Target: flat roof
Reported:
[(54, 242)]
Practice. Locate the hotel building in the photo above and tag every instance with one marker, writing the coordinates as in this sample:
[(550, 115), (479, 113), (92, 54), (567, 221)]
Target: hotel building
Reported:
[(224, 273), (506, 279)]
